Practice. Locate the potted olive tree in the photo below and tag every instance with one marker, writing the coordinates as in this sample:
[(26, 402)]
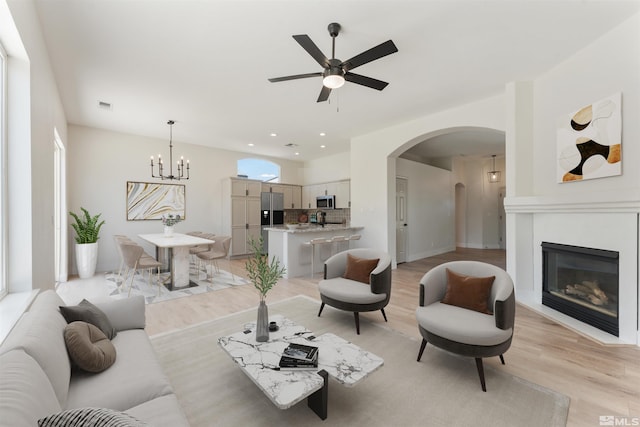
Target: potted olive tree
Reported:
[(87, 229), (264, 275)]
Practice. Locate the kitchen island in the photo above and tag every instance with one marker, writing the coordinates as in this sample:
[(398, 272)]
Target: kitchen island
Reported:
[(291, 246)]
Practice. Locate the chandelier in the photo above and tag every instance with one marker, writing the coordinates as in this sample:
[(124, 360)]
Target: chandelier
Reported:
[(180, 163)]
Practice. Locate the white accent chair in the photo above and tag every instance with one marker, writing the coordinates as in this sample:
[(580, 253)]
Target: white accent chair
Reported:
[(460, 330), (351, 295)]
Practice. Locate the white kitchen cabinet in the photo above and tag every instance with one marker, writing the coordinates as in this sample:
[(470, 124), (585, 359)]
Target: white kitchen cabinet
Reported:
[(292, 194), (245, 187), (292, 197), (296, 197), (308, 198), (343, 194), (241, 213), (340, 189)]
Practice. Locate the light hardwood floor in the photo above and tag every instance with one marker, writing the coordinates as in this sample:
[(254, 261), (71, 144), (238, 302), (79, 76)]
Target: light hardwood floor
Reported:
[(600, 380)]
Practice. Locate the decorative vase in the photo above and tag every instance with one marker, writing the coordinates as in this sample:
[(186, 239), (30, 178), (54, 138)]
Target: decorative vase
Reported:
[(168, 231), (86, 259), (262, 324)]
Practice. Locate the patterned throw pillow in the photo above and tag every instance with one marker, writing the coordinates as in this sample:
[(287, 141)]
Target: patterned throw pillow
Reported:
[(90, 417)]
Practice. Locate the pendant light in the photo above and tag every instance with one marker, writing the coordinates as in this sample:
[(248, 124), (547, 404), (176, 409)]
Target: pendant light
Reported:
[(494, 175)]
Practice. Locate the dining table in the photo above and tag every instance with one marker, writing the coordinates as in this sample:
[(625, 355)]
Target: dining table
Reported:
[(173, 252)]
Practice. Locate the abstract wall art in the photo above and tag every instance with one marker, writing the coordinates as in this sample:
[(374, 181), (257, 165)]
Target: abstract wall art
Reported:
[(589, 141), (146, 200)]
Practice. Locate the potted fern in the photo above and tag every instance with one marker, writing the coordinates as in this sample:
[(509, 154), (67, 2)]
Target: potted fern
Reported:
[(87, 230), (264, 275)]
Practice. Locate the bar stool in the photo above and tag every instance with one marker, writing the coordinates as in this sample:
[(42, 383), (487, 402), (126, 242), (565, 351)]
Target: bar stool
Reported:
[(313, 243), (354, 237), (339, 241)]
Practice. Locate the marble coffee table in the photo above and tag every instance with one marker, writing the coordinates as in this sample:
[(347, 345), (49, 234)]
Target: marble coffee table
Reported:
[(342, 360)]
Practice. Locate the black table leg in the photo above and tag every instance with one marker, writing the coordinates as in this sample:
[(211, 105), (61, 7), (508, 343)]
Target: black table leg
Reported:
[(318, 400)]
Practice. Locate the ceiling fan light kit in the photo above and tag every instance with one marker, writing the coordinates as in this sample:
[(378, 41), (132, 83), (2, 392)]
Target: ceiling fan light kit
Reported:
[(333, 79), (336, 72)]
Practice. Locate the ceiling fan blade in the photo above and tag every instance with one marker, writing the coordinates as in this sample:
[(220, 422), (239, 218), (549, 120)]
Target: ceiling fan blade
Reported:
[(324, 94), (297, 76), (313, 50), (383, 49), (365, 81)]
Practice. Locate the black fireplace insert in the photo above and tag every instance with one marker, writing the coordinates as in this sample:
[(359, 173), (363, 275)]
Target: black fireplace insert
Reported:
[(582, 283)]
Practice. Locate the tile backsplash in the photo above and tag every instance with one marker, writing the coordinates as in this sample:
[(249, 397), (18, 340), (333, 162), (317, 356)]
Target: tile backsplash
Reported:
[(332, 215)]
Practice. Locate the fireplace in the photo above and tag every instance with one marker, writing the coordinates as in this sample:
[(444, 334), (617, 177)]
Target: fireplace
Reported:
[(582, 283)]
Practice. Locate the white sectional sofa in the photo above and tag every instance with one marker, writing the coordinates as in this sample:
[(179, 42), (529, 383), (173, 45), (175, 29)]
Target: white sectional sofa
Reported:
[(37, 378)]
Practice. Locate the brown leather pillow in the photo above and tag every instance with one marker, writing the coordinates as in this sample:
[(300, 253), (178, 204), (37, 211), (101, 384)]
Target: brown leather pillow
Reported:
[(89, 347), (468, 292), (360, 269)]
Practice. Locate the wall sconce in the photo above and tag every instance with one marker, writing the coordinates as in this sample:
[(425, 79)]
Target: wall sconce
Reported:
[(494, 175)]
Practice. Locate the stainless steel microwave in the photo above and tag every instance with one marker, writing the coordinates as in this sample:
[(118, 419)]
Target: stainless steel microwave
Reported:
[(326, 202)]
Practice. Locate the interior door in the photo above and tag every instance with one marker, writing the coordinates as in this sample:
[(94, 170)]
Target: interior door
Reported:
[(401, 220)]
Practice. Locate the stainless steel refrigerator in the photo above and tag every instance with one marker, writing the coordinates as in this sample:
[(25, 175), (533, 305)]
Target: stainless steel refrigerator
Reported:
[(271, 214)]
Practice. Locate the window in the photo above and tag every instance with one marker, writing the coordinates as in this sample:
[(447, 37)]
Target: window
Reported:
[(3, 173), (263, 170)]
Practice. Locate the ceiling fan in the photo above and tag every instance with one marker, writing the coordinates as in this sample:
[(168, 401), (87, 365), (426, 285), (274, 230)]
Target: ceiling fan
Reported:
[(335, 71)]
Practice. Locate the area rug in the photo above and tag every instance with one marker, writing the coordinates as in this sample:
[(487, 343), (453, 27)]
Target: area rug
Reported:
[(441, 390), (201, 283)]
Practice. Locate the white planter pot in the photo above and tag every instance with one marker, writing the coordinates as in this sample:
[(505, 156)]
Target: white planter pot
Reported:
[(86, 259), (168, 231)]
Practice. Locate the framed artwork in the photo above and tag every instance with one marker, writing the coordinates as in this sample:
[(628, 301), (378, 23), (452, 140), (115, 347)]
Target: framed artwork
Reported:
[(589, 141), (149, 201)]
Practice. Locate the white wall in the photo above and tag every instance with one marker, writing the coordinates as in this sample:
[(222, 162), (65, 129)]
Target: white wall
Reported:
[(609, 65), (373, 181), (101, 162), (326, 169), (430, 209), (540, 208), (35, 111)]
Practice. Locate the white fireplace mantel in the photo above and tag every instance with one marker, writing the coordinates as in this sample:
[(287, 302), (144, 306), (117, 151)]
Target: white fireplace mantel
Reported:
[(605, 220), (614, 202)]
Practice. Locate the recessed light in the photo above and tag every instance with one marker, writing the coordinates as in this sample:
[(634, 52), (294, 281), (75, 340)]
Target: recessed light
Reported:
[(322, 134), (323, 146), (274, 134), (297, 154), (251, 144)]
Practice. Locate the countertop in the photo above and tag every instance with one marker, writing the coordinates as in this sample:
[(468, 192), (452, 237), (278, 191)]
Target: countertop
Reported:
[(313, 228)]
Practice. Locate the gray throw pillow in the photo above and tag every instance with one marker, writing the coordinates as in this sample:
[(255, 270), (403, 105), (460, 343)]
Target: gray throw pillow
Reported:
[(87, 312), (88, 347), (95, 417)]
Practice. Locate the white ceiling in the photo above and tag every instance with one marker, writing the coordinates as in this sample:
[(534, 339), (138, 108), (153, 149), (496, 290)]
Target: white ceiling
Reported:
[(205, 64)]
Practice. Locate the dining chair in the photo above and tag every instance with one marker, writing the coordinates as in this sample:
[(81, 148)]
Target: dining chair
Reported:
[(194, 250), (133, 259), (217, 250)]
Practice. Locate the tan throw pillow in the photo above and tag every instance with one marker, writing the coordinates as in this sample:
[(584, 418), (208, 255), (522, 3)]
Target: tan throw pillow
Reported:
[(87, 312), (468, 292), (88, 347), (359, 269)]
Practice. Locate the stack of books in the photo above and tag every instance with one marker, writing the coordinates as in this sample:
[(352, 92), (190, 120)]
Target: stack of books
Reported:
[(299, 356)]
